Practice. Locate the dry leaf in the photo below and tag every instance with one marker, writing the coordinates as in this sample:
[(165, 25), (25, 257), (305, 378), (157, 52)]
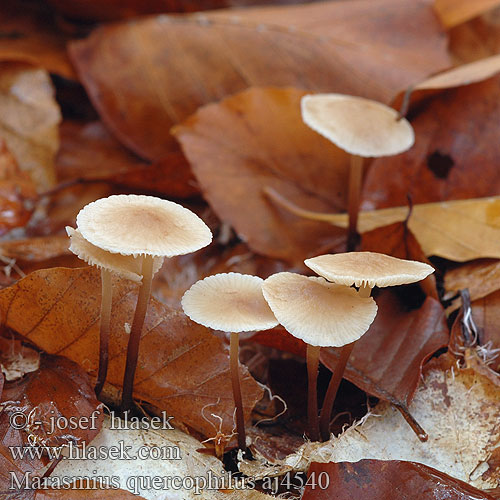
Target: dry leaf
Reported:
[(68, 301), (29, 34), (456, 230), (89, 152), (257, 139), (456, 134), (454, 12), (16, 359), (147, 75), (385, 479), (458, 408), (29, 120)]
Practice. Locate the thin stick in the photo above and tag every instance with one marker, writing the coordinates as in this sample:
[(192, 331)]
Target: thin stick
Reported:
[(331, 393), (135, 333), (355, 184), (106, 301), (312, 399), (235, 379)]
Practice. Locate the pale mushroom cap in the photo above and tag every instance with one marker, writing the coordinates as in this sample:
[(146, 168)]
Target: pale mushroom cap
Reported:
[(229, 302), (142, 225), (368, 269), (317, 312), (126, 266), (357, 125)]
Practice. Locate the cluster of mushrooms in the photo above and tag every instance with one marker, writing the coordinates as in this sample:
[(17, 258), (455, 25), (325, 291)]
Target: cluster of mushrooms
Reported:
[(129, 235)]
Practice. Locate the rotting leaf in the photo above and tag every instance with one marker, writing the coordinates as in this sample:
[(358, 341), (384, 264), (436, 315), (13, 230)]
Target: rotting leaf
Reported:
[(255, 140), (82, 494), (17, 359), (461, 124), (28, 33), (29, 120), (388, 480), (89, 152), (182, 367), (147, 75)]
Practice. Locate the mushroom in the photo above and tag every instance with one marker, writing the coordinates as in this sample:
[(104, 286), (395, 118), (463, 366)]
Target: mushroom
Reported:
[(364, 270), (234, 303), (125, 266), (322, 314), (364, 129), (138, 225)]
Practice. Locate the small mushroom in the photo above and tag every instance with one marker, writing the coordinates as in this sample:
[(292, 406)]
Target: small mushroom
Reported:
[(364, 129), (146, 226), (364, 270), (232, 303), (322, 314), (125, 266)]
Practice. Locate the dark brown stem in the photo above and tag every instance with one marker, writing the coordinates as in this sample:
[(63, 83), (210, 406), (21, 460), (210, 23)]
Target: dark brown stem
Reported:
[(135, 333), (416, 427), (106, 301), (355, 183), (312, 399), (331, 393), (235, 379)]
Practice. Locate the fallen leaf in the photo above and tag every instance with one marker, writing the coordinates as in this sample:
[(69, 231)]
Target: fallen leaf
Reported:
[(147, 75), (387, 361), (255, 140), (459, 409), (28, 33), (49, 397), (89, 152), (16, 359), (384, 479), (184, 462), (454, 12), (81, 494), (29, 120), (17, 192), (68, 300), (455, 132), (35, 249), (398, 241), (455, 230), (480, 277)]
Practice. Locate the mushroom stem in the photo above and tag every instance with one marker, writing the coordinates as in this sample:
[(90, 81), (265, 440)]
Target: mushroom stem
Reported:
[(355, 183), (106, 300), (135, 332), (238, 401), (312, 399), (331, 393)]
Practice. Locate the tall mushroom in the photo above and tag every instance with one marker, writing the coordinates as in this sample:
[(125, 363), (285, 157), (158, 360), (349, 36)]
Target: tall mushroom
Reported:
[(233, 303), (125, 266), (321, 314), (364, 129), (146, 226), (364, 270)]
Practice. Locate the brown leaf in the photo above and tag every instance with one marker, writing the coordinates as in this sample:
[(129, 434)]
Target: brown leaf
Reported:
[(181, 368), (385, 480), (58, 391), (29, 34), (454, 12), (29, 120), (16, 191), (88, 151), (145, 76), (387, 361), (397, 240), (255, 140), (455, 132)]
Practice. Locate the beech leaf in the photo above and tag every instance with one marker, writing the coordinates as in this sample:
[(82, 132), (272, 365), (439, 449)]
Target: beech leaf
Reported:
[(181, 368)]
